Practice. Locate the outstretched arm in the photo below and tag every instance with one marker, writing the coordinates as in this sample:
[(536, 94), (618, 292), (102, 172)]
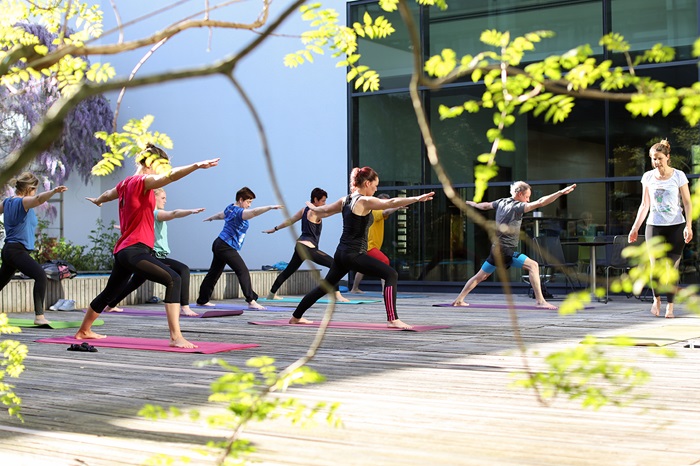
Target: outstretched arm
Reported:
[(250, 213), (33, 201), (374, 203), (158, 181), (480, 205), (219, 216), (328, 209), (109, 195), (546, 200), (167, 215), (289, 222)]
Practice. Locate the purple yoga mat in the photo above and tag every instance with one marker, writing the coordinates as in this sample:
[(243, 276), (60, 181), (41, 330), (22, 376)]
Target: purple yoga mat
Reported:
[(348, 325), (527, 307), (242, 307), (151, 344), (159, 312)]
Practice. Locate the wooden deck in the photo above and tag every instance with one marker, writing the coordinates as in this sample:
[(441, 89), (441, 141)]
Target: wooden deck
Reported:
[(431, 398)]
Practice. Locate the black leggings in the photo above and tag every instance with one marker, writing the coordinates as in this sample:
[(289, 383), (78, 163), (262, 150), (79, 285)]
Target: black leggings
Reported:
[(317, 257), (137, 259), (343, 262), (16, 257), (225, 255), (137, 280), (673, 235)]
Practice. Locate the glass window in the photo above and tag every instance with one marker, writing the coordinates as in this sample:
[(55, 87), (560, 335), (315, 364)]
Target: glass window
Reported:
[(388, 138), (645, 23), (392, 56), (459, 27)]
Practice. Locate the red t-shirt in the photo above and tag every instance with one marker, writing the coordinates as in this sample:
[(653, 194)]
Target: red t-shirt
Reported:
[(135, 213)]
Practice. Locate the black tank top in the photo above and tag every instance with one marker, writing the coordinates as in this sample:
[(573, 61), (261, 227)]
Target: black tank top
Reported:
[(355, 227), (310, 231)]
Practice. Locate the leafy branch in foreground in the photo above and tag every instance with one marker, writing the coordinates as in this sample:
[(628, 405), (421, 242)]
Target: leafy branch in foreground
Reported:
[(13, 354), (587, 374), (248, 397)]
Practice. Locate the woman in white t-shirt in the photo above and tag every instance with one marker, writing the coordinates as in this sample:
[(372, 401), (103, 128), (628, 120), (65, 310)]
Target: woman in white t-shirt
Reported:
[(664, 188)]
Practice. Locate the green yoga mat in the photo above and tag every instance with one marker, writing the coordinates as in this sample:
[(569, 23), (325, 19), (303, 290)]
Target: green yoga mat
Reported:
[(658, 336), (53, 324), (320, 301)]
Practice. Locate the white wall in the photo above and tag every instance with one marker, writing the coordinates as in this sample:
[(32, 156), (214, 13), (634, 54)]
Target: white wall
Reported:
[(303, 110)]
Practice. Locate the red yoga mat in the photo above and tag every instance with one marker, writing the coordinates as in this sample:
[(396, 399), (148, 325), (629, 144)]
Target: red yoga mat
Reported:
[(527, 307), (349, 325), (150, 344), (129, 311)]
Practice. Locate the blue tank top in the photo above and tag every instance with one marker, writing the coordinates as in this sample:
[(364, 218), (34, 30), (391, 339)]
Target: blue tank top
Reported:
[(235, 227), (355, 227), (20, 224), (310, 231)]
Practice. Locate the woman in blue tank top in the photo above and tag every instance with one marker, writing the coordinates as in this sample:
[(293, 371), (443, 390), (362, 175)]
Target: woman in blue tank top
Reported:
[(352, 250), (308, 242), (20, 226)]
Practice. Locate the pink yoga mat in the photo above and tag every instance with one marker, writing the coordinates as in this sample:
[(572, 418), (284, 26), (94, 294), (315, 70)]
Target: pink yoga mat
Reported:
[(527, 307), (242, 307), (150, 344), (129, 311), (348, 325)]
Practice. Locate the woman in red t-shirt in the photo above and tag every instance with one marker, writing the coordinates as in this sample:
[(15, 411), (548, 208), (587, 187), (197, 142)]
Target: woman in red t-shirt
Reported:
[(133, 252)]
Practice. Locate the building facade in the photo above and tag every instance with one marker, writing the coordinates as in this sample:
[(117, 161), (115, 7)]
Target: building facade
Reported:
[(600, 147)]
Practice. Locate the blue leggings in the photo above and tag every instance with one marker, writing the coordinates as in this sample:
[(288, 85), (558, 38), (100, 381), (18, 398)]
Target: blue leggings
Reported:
[(343, 262), (137, 259)]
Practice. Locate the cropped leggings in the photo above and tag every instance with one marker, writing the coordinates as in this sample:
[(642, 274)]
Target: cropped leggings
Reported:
[(139, 260), (137, 280), (225, 255), (343, 262), (673, 235), (16, 257), (317, 257)]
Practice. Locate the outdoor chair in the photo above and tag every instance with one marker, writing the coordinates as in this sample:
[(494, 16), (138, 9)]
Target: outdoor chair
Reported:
[(615, 261), (549, 254)]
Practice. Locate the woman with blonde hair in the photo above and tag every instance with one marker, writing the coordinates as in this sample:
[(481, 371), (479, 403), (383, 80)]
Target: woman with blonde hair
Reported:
[(663, 190), (20, 228)]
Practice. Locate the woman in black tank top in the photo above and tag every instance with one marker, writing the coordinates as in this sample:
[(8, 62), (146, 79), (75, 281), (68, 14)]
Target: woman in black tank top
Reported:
[(306, 245), (351, 253)]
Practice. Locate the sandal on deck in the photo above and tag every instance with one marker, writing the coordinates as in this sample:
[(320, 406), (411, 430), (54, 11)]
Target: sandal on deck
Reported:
[(84, 347)]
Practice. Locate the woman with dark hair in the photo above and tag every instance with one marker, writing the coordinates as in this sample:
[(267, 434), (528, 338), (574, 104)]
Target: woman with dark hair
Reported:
[(226, 246), (133, 253), (351, 253), (308, 241), (20, 227), (663, 190)]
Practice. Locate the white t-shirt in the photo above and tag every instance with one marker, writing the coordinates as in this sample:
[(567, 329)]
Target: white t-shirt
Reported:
[(665, 198)]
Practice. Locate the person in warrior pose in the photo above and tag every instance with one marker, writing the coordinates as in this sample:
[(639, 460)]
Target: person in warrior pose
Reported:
[(351, 253), (226, 246), (509, 216), (308, 241), (133, 252), (20, 230)]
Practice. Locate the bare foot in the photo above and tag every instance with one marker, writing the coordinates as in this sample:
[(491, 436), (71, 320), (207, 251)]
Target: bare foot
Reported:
[(669, 311), (88, 335), (546, 305), (398, 324), (182, 343), (41, 320), (341, 299), (254, 305), (210, 304), (294, 320), (113, 309), (186, 311), (357, 291), (271, 296), (656, 307), (460, 304)]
